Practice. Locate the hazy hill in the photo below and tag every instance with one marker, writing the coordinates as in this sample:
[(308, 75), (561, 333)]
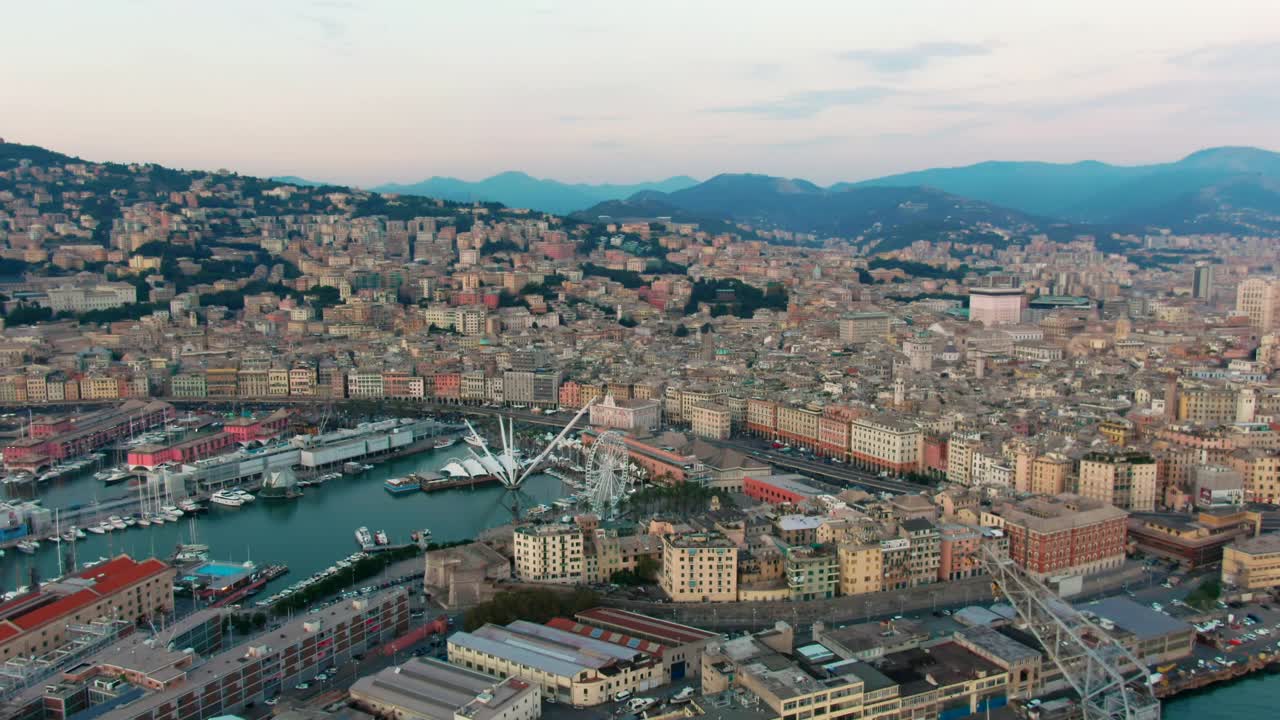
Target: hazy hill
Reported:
[(517, 189), (1225, 187), (295, 180), (892, 215)]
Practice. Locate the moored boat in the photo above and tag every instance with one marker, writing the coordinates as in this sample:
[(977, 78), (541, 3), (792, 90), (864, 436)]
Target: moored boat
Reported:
[(363, 537), (226, 498), (402, 485)]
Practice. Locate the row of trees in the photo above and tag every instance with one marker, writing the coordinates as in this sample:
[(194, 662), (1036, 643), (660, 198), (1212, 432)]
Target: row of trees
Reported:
[(534, 605), (360, 570), (676, 499)]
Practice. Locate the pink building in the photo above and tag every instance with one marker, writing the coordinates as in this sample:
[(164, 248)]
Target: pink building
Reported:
[(958, 548), (996, 305), (570, 394), (625, 414)]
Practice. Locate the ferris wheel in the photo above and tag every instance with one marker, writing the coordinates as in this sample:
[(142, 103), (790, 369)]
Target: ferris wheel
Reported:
[(608, 473)]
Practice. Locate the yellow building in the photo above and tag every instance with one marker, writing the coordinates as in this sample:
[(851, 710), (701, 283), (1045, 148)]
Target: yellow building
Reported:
[(253, 383), (1118, 431), (1126, 481), (885, 443), (710, 420), (99, 387), (1252, 564), (1207, 405), (799, 425), (278, 382), (861, 568), (549, 553), (1050, 474), (699, 567), (1261, 472)]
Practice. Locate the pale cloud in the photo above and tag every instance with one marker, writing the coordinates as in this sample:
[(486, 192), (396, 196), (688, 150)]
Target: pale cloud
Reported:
[(914, 57), (827, 90), (810, 103)]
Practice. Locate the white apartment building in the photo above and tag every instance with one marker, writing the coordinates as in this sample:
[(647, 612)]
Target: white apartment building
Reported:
[(887, 444), (1259, 300), (103, 296)]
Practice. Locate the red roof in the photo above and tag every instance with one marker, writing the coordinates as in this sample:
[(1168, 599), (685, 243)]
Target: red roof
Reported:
[(647, 647), (107, 579), (121, 572), (56, 609), (668, 632)]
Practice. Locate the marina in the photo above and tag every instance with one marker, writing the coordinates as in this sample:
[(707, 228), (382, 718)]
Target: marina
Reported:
[(304, 534)]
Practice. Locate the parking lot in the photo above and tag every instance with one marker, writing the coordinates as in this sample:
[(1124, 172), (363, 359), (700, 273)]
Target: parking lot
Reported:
[(661, 697)]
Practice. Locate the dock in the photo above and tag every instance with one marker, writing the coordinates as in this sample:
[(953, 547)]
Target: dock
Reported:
[(433, 482), (266, 575), (1184, 680)]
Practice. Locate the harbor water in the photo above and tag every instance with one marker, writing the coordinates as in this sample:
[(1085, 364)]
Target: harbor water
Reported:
[(307, 534), (1252, 696)]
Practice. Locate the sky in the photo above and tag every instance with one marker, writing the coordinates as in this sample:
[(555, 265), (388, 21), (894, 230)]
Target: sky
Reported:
[(373, 91)]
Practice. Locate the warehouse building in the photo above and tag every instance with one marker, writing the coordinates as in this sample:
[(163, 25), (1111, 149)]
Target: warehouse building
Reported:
[(428, 689), (569, 668)]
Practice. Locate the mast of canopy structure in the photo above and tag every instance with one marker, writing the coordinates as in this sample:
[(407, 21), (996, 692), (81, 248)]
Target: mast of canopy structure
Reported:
[(508, 471)]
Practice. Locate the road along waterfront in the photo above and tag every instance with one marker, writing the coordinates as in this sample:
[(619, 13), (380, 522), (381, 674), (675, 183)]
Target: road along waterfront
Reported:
[(309, 533)]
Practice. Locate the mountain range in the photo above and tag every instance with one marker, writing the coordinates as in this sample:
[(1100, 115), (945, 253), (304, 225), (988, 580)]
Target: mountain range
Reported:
[(517, 189), (1224, 189), (1229, 189), (885, 217), (1096, 192)]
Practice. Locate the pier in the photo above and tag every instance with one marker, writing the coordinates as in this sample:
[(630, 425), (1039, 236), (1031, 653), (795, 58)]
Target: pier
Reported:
[(430, 482)]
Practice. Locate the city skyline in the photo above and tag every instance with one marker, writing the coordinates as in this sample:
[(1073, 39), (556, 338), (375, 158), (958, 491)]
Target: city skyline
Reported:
[(395, 93)]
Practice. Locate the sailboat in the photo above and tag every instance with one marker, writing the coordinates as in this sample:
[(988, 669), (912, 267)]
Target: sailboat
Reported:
[(170, 511), (192, 551), (144, 517)]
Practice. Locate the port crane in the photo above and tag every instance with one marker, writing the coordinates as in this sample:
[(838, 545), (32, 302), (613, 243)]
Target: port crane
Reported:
[(1113, 684)]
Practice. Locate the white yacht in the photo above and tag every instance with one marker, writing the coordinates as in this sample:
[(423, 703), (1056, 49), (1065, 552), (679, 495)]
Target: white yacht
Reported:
[(226, 498)]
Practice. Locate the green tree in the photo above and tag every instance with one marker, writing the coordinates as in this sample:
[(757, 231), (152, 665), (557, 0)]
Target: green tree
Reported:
[(647, 568), (681, 331)]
